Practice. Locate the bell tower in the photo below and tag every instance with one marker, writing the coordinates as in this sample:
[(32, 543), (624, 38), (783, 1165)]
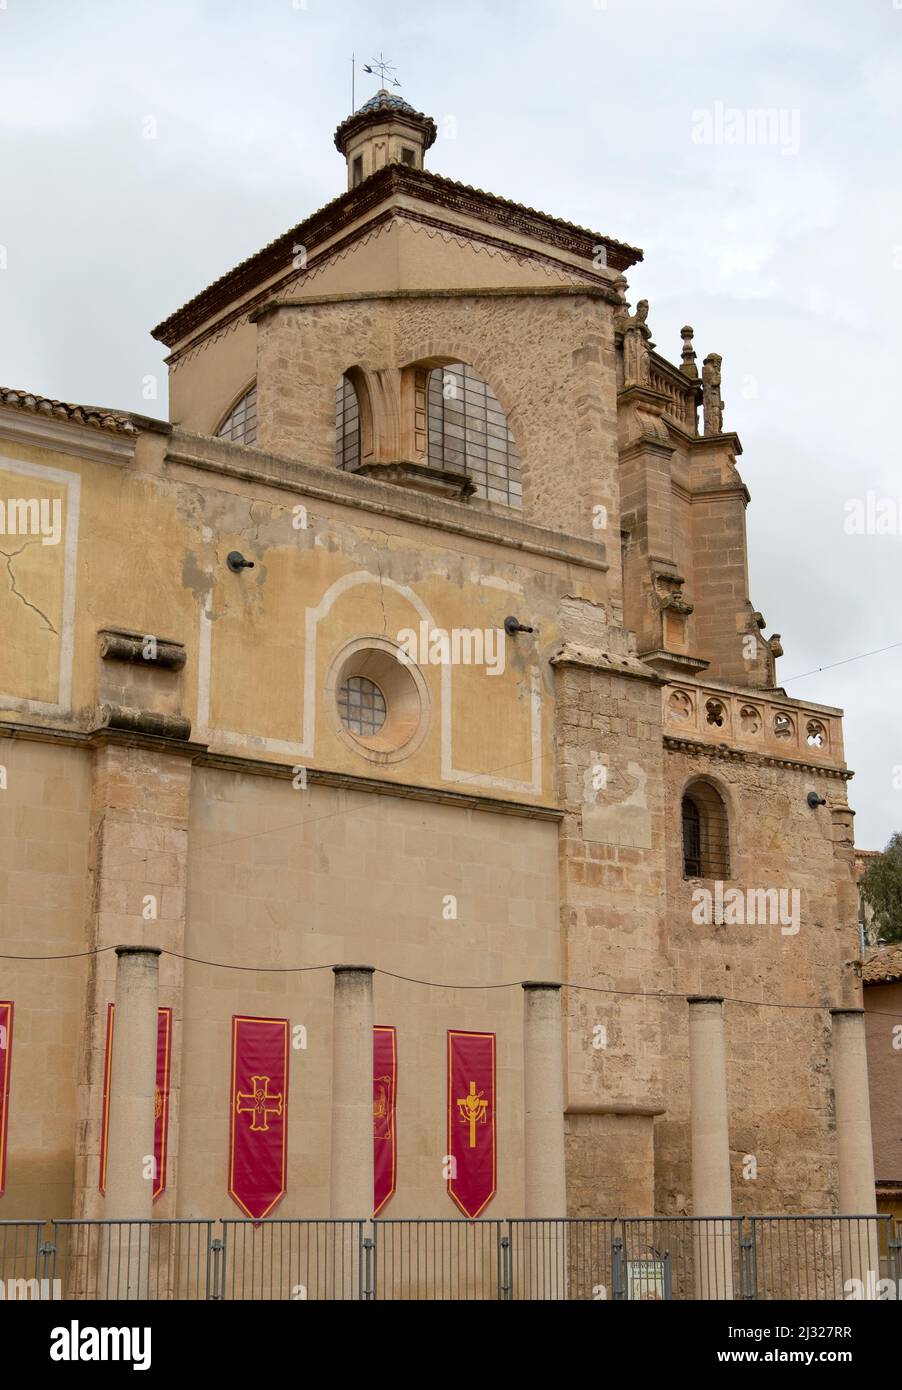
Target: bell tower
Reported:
[(385, 130)]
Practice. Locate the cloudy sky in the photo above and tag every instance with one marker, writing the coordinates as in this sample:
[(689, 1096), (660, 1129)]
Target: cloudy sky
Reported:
[(786, 256)]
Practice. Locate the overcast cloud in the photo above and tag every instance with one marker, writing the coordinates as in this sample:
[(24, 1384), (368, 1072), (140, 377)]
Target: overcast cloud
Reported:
[(786, 257)]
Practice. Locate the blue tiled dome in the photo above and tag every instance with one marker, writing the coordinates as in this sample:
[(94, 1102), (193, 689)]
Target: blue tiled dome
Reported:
[(385, 100), (371, 113)]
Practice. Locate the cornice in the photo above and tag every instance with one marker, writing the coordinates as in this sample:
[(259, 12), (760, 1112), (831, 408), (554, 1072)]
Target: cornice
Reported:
[(66, 437), (375, 116), (726, 752), (611, 663), (702, 494), (201, 755), (272, 306), (717, 441)]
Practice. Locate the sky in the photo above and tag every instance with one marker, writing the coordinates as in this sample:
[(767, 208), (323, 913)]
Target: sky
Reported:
[(146, 146)]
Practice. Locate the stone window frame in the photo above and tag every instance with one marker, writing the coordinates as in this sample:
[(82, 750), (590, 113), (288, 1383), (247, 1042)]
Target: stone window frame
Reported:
[(404, 688), (714, 852)]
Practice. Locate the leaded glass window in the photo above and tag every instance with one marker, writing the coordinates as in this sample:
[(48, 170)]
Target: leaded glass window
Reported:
[(468, 432), (347, 425), (240, 425)]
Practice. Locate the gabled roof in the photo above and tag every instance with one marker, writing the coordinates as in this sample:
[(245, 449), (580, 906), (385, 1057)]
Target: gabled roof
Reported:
[(117, 421), (393, 180)]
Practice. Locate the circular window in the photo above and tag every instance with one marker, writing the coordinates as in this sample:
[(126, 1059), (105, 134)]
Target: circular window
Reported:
[(378, 700), (361, 705)]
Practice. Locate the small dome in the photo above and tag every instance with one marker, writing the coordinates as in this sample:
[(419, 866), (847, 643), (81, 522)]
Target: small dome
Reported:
[(386, 101)]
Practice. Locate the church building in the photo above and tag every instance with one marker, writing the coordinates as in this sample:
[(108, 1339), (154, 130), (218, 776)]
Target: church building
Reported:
[(400, 809)]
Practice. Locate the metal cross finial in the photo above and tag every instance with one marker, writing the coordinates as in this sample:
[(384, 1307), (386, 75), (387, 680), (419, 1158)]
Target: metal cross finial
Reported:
[(385, 71)]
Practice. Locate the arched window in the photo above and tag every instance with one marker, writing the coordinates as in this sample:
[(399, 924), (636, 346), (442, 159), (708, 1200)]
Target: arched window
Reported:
[(706, 834), (347, 425), (240, 425), (468, 432)]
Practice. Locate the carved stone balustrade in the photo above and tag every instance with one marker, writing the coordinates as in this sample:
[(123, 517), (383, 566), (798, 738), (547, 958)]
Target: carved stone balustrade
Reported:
[(747, 721)]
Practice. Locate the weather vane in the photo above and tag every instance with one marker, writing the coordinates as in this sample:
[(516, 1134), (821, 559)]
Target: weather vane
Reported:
[(384, 69)]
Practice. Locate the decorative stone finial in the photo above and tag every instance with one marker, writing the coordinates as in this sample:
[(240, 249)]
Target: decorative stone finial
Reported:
[(687, 366), (711, 398)]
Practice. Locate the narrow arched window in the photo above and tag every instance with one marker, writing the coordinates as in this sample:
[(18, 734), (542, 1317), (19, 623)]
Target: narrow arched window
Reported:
[(705, 833), (347, 425), (469, 433), (240, 425)]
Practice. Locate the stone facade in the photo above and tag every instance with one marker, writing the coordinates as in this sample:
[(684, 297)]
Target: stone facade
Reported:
[(177, 773)]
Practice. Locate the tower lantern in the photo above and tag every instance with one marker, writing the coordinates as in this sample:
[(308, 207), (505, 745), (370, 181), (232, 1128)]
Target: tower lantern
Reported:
[(385, 130)]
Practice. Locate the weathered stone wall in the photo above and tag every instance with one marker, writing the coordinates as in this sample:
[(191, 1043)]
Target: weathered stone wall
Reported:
[(612, 918), (627, 927), (778, 1059), (548, 356)]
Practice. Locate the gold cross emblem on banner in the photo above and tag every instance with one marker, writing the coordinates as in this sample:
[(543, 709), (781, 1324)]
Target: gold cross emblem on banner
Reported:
[(260, 1103), (473, 1109)]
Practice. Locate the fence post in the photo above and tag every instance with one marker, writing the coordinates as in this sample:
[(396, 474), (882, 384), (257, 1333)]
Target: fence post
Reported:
[(617, 1268), (894, 1253), (748, 1270), (504, 1264), (367, 1291), (216, 1248), (46, 1253)]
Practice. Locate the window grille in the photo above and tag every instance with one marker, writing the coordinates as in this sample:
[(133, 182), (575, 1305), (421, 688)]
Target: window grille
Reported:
[(705, 833), (361, 706)]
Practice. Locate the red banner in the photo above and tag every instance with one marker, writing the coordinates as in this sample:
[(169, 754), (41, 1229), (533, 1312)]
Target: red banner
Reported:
[(6, 1053), (385, 1081), (258, 1132), (471, 1120), (161, 1097)]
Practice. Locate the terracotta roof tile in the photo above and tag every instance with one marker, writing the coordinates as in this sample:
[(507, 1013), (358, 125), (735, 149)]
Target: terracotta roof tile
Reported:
[(117, 422), (883, 967)]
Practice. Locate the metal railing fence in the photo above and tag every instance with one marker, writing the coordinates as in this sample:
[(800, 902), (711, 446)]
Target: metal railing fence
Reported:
[(605, 1258)]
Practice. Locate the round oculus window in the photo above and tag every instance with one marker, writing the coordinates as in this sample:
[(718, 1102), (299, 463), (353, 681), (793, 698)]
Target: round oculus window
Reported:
[(380, 701)]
